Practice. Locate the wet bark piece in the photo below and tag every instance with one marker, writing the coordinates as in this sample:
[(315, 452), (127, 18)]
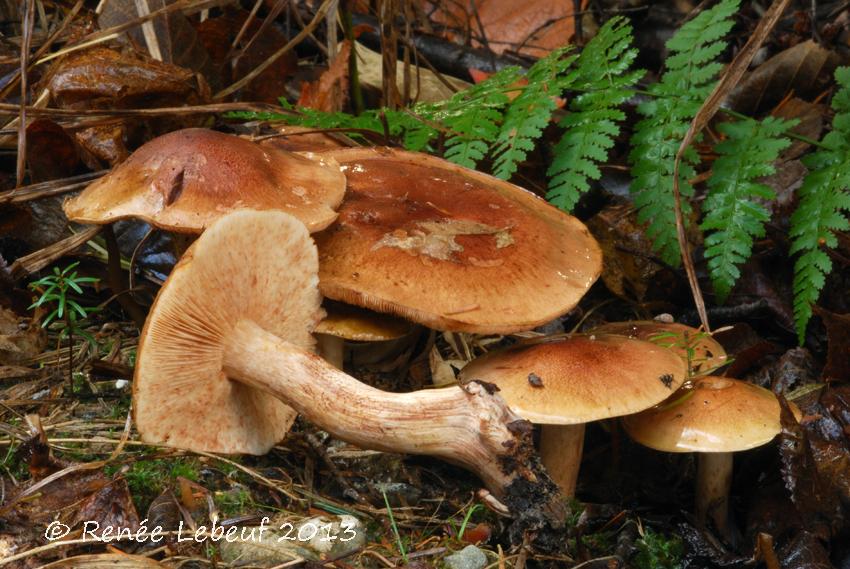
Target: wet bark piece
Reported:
[(101, 77)]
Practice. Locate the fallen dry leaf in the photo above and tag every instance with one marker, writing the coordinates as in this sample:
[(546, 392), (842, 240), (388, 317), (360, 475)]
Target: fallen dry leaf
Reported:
[(20, 338), (218, 34), (837, 366), (328, 92), (805, 69), (533, 27)]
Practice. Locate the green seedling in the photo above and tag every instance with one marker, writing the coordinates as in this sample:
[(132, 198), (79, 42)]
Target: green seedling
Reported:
[(55, 291)]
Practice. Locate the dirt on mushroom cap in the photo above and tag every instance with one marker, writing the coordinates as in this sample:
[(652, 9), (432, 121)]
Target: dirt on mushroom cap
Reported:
[(451, 248), (184, 180)]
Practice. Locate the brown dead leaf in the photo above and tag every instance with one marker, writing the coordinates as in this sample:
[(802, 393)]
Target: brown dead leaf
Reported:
[(811, 117), (176, 40), (837, 366), (533, 27), (805, 551), (111, 505), (218, 34), (101, 78), (51, 152), (328, 92), (628, 269), (814, 497), (103, 145), (61, 497), (20, 338), (805, 69)]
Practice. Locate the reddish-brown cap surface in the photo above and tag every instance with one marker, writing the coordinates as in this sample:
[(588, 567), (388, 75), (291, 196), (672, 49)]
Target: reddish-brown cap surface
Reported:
[(451, 248), (564, 381), (718, 414), (703, 352), (184, 180), (181, 395)]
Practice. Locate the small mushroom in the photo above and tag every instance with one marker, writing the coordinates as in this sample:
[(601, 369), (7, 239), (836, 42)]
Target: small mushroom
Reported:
[(715, 418), (184, 180), (227, 347), (451, 248), (702, 352), (346, 322), (565, 382)]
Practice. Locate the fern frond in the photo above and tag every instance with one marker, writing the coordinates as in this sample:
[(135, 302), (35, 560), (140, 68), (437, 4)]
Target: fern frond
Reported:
[(529, 113), (677, 97), (733, 214), (824, 204), (593, 123)]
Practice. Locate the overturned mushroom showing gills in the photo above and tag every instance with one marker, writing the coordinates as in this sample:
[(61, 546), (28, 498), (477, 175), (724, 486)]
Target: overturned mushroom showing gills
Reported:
[(702, 352), (231, 326), (565, 382), (715, 418), (450, 247), (184, 180)]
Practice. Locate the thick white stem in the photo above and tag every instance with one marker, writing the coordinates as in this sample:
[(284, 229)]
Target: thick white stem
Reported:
[(468, 426), (560, 450), (714, 480)]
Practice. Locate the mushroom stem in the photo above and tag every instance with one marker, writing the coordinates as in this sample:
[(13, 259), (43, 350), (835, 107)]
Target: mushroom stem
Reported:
[(714, 479), (469, 426), (332, 348), (560, 451), (116, 278)]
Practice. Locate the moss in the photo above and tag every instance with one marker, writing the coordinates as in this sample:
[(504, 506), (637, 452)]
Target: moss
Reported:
[(658, 551)]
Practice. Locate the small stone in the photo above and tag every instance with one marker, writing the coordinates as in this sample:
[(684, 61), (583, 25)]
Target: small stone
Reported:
[(470, 557)]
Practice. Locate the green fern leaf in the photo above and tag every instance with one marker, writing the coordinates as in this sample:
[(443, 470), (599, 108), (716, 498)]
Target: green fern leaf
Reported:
[(824, 203), (733, 214), (529, 113), (677, 97), (593, 123)]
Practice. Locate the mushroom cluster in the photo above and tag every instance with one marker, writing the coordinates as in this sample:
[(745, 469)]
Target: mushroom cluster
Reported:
[(227, 354)]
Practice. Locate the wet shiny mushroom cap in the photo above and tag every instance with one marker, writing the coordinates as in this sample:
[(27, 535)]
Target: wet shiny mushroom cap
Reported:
[(181, 395), (579, 379), (361, 325), (706, 354), (186, 179), (450, 247), (718, 414)]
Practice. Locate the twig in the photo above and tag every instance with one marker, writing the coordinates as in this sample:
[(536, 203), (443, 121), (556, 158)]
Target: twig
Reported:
[(730, 78), (28, 21), (51, 188)]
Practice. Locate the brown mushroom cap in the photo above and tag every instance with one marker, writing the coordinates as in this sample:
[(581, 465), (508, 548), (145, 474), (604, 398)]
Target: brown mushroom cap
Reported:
[(361, 325), (579, 379), (184, 180), (181, 395), (717, 414), (450, 247), (707, 353)]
